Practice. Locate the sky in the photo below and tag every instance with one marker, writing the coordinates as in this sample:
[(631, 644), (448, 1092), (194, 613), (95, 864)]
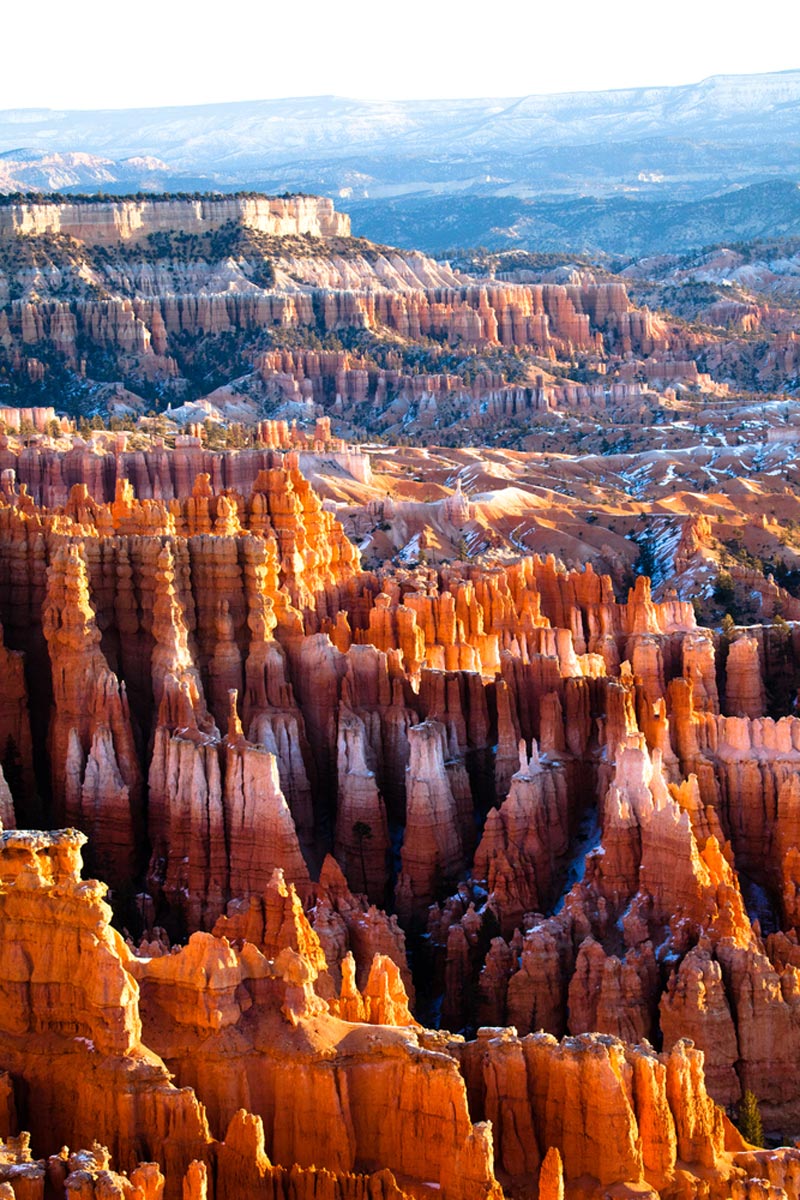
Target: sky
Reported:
[(159, 52)]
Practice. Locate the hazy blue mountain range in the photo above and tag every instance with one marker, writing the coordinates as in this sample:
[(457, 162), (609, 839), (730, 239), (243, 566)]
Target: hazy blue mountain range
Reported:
[(443, 173), (619, 226)]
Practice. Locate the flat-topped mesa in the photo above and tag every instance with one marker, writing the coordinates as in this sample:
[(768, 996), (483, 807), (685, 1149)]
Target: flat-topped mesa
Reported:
[(104, 222)]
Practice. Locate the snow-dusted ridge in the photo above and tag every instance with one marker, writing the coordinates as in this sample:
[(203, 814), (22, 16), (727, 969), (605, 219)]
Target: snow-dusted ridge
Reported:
[(234, 135)]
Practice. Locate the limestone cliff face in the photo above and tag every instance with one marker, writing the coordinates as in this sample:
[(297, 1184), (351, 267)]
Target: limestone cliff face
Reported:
[(545, 317), (152, 312), (106, 221)]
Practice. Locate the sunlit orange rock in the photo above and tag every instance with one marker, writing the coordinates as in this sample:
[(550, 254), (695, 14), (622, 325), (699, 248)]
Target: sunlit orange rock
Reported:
[(96, 775), (432, 845)]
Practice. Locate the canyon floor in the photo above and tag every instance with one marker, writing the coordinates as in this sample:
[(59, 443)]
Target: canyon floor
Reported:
[(399, 758)]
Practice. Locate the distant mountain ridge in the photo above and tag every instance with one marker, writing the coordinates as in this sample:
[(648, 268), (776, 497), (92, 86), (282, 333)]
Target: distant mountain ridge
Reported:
[(433, 159), (277, 129), (620, 226)]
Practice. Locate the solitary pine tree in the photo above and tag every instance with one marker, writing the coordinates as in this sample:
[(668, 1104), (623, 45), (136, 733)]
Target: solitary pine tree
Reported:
[(750, 1125), (728, 627)]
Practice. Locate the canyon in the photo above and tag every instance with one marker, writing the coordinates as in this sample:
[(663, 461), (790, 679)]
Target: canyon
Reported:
[(242, 720), (389, 810)]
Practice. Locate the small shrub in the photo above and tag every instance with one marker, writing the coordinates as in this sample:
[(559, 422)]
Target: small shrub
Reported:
[(724, 589)]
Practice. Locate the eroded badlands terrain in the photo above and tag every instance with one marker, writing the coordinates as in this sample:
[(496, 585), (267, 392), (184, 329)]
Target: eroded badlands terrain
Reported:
[(399, 817)]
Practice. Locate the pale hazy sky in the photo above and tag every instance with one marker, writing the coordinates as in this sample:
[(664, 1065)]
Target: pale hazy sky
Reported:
[(101, 54)]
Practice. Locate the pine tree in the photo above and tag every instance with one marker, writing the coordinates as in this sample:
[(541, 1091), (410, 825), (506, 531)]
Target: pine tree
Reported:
[(750, 1125)]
